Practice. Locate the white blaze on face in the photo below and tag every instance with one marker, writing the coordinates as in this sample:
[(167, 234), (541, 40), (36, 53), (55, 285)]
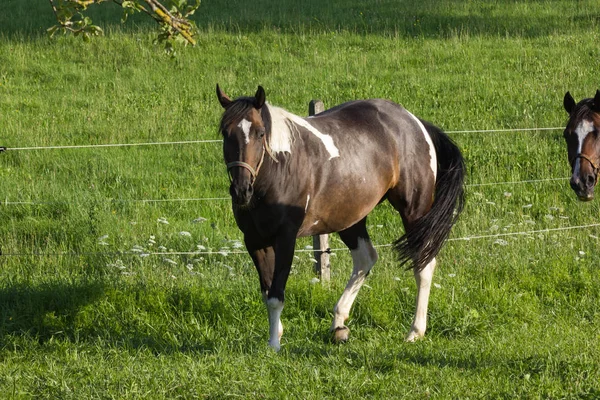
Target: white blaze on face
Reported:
[(432, 155), (281, 134), (582, 130), (245, 126)]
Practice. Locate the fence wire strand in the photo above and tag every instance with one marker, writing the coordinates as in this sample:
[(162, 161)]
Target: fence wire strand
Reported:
[(107, 145), (305, 250)]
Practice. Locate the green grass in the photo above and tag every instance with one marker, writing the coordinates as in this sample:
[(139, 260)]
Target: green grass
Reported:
[(516, 317)]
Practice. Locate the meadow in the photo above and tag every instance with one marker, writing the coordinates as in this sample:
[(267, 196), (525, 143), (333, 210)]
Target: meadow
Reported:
[(121, 273)]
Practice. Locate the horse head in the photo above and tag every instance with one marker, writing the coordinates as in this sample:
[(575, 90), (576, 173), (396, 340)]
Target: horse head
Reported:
[(582, 135), (244, 142)]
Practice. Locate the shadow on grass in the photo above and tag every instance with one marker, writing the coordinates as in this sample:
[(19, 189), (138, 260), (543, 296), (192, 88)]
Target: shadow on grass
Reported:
[(427, 18), (129, 317), (44, 310)]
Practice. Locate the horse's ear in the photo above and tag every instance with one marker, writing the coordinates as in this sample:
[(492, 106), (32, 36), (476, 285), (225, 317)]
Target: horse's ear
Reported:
[(596, 105), (223, 98), (259, 98), (569, 102)]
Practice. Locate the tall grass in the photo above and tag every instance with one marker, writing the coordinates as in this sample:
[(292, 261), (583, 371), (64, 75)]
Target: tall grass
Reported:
[(86, 312)]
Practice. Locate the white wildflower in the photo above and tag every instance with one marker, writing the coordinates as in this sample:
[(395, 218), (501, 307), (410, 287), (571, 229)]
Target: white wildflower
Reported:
[(396, 278), (162, 220), (199, 219), (549, 217), (185, 233), (169, 261), (137, 249), (313, 260), (501, 242), (528, 205), (314, 281), (200, 247), (237, 244), (379, 226), (507, 194), (309, 247), (451, 275), (437, 285), (581, 253), (190, 267)]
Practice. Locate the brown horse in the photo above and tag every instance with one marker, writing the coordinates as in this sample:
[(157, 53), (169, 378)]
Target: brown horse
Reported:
[(583, 143), (293, 177)]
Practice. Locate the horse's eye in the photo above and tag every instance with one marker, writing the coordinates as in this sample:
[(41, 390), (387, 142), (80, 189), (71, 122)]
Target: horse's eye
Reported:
[(261, 133)]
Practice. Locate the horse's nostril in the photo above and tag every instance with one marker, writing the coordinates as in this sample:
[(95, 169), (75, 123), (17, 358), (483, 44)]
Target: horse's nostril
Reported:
[(590, 181)]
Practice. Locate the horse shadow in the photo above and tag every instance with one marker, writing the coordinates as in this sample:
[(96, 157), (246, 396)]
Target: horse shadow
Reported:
[(43, 310), (72, 312)]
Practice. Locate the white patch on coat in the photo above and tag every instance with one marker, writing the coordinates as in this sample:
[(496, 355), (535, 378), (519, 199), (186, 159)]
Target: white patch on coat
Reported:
[(245, 125), (307, 200), (281, 132), (432, 155), (582, 130)]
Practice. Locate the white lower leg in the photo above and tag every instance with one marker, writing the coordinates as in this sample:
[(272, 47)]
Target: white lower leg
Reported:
[(363, 257), (423, 279), (275, 307)]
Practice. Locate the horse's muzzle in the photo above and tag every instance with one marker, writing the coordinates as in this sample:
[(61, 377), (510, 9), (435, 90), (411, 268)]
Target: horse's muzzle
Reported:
[(584, 189), (241, 193)]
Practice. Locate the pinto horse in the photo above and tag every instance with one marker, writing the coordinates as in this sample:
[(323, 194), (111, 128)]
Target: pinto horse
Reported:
[(583, 143), (293, 177)]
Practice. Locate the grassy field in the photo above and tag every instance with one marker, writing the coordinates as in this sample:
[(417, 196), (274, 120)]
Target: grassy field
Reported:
[(87, 312)]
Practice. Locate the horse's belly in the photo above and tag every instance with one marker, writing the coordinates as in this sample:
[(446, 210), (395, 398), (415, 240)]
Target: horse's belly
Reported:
[(333, 213)]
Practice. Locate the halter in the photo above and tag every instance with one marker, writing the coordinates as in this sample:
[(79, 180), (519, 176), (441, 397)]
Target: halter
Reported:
[(595, 168), (253, 172)]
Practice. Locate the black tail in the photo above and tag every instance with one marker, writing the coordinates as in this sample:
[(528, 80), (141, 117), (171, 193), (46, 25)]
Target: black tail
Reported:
[(424, 239)]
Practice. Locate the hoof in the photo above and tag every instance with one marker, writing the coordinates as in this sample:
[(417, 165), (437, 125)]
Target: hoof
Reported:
[(341, 334), (413, 336), (275, 346)]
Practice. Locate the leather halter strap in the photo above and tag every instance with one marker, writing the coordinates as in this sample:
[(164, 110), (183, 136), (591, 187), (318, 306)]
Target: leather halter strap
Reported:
[(253, 172), (595, 168)]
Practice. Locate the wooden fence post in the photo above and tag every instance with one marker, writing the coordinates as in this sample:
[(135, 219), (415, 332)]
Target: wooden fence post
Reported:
[(320, 242)]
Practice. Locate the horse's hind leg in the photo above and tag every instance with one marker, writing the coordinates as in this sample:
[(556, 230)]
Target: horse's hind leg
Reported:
[(411, 209), (423, 279), (364, 257)]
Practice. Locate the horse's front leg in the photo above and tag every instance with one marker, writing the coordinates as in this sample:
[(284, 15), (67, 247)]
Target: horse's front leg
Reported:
[(284, 254), (264, 261)]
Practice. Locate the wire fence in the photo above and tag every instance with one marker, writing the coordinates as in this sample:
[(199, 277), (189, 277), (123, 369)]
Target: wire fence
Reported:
[(109, 145), (7, 202), (227, 252)]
